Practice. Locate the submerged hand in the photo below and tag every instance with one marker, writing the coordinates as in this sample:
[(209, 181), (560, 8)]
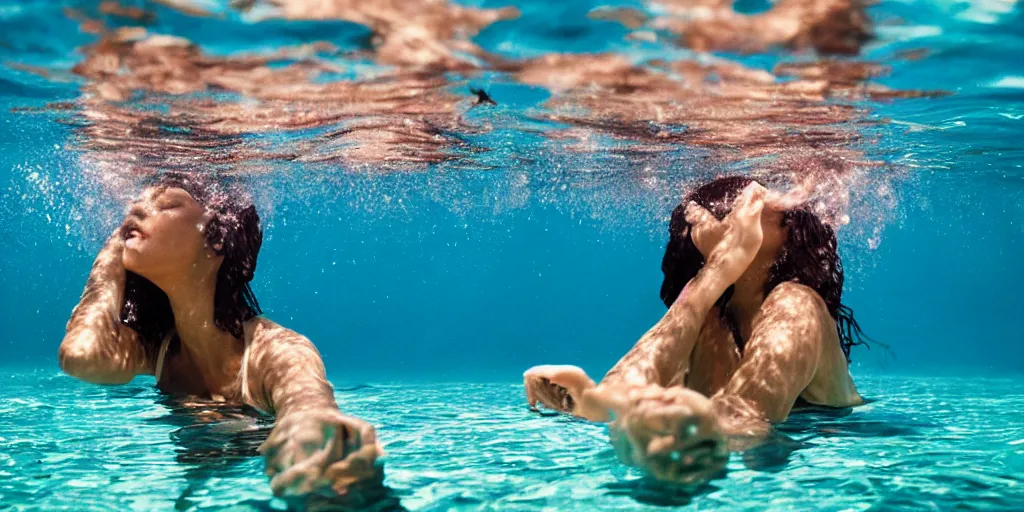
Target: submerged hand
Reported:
[(557, 387), (669, 432), (320, 450)]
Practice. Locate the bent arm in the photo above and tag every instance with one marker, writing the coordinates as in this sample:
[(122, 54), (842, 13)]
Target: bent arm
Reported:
[(779, 362), (97, 347), (663, 352)]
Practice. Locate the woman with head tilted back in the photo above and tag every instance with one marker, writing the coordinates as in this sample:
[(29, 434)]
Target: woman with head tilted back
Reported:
[(169, 296), (754, 327)]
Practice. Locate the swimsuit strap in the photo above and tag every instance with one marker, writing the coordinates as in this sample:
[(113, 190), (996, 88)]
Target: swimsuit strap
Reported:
[(162, 354), (246, 336)]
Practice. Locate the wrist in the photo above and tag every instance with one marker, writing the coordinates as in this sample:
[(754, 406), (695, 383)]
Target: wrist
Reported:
[(700, 294)]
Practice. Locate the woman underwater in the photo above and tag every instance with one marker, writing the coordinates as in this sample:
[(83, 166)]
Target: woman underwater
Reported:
[(169, 296), (754, 326)]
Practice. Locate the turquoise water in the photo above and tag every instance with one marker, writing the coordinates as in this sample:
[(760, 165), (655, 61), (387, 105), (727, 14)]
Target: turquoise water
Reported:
[(431, 271), (927, 443)]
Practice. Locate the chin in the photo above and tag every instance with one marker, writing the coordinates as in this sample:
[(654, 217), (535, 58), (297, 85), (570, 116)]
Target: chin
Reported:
[(131, 261)]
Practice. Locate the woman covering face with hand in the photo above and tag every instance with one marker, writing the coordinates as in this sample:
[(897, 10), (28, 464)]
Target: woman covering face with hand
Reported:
[(754, 327)]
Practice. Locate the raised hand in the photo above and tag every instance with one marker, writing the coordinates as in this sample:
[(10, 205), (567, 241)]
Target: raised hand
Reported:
[(730, 245)]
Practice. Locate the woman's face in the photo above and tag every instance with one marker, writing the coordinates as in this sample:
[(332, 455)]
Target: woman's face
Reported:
[(163, 234)]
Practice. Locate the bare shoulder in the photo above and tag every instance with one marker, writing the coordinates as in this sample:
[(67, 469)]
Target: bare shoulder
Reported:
[(794, 294), (276, 355), (271, 343), (832, 384), (794, 300), (264, 333)]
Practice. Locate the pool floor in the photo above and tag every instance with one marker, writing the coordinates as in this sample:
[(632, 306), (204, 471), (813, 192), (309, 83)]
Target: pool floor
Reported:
[(923, 443)]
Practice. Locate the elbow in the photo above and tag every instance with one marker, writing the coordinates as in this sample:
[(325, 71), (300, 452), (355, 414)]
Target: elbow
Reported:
[(83, 364), (73, 360)]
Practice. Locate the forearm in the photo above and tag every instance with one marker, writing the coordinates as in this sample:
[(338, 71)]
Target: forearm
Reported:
[(86, 359), (303, 395), (96, 347), (664, 351), (294, 377), (98, 309), (739, 419)]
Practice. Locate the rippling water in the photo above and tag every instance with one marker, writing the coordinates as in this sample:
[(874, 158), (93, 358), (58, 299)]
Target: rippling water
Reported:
[(514, 163), (921, 444)]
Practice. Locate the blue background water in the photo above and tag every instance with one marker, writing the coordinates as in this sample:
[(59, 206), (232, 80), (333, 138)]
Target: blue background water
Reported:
[(454, 274), (426, 289)]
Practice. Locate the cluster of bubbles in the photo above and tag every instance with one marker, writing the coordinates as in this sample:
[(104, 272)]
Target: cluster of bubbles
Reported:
[(617, 139)]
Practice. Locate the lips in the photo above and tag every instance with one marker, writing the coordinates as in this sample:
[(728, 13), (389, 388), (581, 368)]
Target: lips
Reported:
[(132, 231)]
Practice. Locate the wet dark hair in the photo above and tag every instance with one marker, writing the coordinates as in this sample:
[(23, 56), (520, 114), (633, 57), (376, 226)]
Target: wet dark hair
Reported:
[(234, 232), (809, 256)]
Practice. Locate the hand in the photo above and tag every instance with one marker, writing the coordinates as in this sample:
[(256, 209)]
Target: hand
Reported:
[(318, 450), (669, 432), (558, 387), (730, 245)]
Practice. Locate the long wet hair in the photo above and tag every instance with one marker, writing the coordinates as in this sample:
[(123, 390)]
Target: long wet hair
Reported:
[(809, 256), (234, 232)]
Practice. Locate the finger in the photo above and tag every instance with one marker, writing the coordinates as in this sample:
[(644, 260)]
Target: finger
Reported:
[(336, 437), (368, 435), (555, 397), (546, 370), (301, 478), (360, 463), (539, 390), (545, 393), (753, 197), (533, 372), (276, 458), (697, 215), (755, 206), (528, 386), (360, 466), (267, 448), (276, 464), (670, 420), (275, 439), (661, 445)]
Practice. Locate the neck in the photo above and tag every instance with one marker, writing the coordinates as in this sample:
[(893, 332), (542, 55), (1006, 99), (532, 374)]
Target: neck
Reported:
[(209, 347)]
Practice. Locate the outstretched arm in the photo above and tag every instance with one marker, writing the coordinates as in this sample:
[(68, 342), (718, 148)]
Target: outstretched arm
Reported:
[(291, 375), (663, 353), (313, 446), (97, 347), (660, 356), (680, 435)]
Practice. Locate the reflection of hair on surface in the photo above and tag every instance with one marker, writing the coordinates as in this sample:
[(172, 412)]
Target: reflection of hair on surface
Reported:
[(158, 102), (431, 34), (792, 129), (827, 26), (153, 102), (113, 8)]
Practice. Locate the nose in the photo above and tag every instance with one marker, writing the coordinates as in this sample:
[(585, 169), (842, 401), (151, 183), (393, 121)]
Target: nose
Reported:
[(140, 209)]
